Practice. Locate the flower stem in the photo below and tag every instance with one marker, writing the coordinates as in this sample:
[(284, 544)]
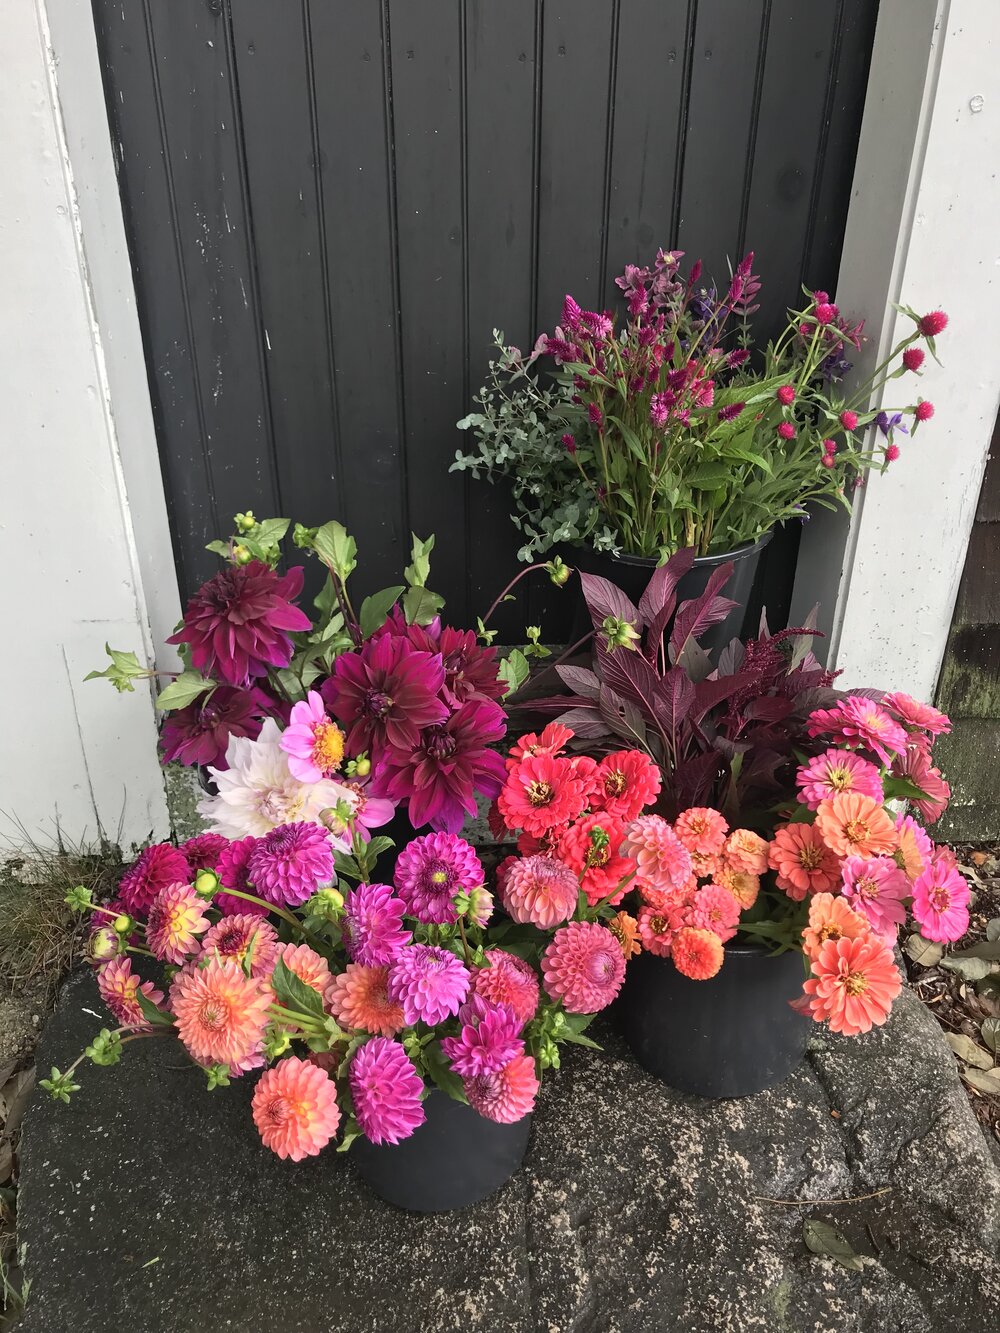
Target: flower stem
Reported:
[(514, 581), (278, 911)]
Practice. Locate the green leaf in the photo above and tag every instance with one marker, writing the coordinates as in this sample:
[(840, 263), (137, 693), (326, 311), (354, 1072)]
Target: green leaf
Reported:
[(514, 669), (902, 789), (350, 1132), (416, 573), (993, 929), (969, 969), (337, 549), (183, 691), (826, 1240), (990, 1033), (220, 548), (292, 991), (325, 600), (709, 477), (106, 1048), (988, 949), (968, 1051), (926, 953), (375, 608), (420, 606), (270, 531), (441, 1073), (631, 440), (150, 1012), (124, 668)]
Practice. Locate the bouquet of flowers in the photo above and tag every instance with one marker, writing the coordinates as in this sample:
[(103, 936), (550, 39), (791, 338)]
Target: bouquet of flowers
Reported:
[(670, 432)]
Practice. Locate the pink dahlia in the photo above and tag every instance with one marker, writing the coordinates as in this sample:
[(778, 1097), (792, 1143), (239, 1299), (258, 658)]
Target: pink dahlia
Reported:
[(489, 1038), (715, 908), (538, 889), (373, 924), (941, 899), (201, 732), (290, 863), (237, 624), (542, 792), (853, 984), (386, 1090), (592, 849), (359, 1000), (386, 694), (220, 1012), (860, 721), (431, 870), (506, 979), (662, 860), (627, 782), (246, 939), (157, 867), (583, 967), (429, 982), (914, 714), (174, 923), (203, 851), (835, 771), (310, 967), (314, 744), (877, 889), (232, 871), (119, 988), (295, 1108), (506, 1094)]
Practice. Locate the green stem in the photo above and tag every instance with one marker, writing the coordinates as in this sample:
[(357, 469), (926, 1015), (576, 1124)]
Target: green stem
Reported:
[(278, 911)]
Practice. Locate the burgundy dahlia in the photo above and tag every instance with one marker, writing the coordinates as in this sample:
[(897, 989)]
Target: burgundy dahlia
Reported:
[(237, 624), (386, 693), (199, 733), (203, 851)]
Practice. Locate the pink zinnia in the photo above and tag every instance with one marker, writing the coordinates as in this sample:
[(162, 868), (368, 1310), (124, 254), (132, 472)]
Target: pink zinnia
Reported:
[(715, 908), (314, 744), (592, 849), (203, 852), (489, 1038), (853, 984), (860, 721), (552, 739), (916, 766), (431, 870), (932, 324), (506, 979), (386, 1090), (253, 943), (941, 900), (174, 923), (877, 889), (220, 1012), (429, 982), (290, 863), (359, 999), (697, 953), (657, 927), (583, 967), (119, 987), (295, 1108), (912, 713), (662, 860), (232, 871), (913, 358), (539, 890), (157, 867), (505, 1095), (373, 924), (835, 771), (627, 781)]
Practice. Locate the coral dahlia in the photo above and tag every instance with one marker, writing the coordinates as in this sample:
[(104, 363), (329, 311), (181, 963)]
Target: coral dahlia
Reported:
[(803, 861), (583, 967), (119, 988), (174, 923), (359, 1000), (373, 924), (538, 889), (505, 1095), (158, 866), (431, 870), (661, 859), (386, 1091), (853, 984), (290, 863), (506, 979), (295, 1108), (250, 941), (697, 953), (220, 1012), (310, 967)]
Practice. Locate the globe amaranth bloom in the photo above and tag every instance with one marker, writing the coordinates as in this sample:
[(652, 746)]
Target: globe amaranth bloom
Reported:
[(373, 924), (290, 863), (386, 694), (583, 967), (489, 1038), (238, 623), (431, 870), (200, 733), (295, 1108), (157, 867), (504, 1095), (386, 1090), (429, 982)]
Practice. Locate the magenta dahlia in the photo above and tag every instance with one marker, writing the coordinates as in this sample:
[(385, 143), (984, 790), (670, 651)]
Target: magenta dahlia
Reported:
[(386, 1090), (385, 694), (231, 868), (489, 1038), (429, 982), (200, 733), (290, 863), (158, 866), (237, 624), (203, 851), (583, 967), (373, 925), (506, 1094), (431, 870), (507, 979)]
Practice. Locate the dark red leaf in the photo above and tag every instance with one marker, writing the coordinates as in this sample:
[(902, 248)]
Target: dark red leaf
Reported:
[(658, 601), (695, 616), (604, 599), (581, 680)]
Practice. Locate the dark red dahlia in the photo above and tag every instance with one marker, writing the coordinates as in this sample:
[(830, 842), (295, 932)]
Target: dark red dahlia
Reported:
[(203, 851), (470, 670), (200, 733), (238, 622), (386, 694)]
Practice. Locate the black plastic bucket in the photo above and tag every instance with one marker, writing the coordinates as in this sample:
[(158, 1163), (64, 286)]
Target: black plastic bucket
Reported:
[(454, 1159), (727, 1037)]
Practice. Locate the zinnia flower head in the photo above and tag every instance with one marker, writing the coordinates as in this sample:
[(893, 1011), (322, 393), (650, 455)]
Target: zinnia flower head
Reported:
[(552, 739), (542, 792), (657, 927), (290, 863), (877, 889), (915, 847), (852, 824), (701, 830), (835, 771), (431, 870), (386, 693), (697, 953), (358, 997), (538, 889), (746, 851), (386, 1090), (911, 713), (625, 929), (627, 781), (238, 623), (506, 979), (583, 967), (174, 923), (661, 859), (429, 982), (201, 732), (743, 886), (714, 908), (247, 939), (295, 1108), (853, 984), (803, 861), (860, 721), (505, 1095), (373, 924), (232, 871), (314, 744), (310, 967), (831, 918), (489, 1038), (158, 866), (916, 766), (941, 899), (592, 849), (119, 987), (202, 852), (220, 1012)]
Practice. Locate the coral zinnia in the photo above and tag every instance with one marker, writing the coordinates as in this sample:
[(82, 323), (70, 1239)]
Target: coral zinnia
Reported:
[(697, 953), (941, 899), (627, 782), (863, 722), (552, 739), (248, 940), (238, 622), (740, 883), (542, 792), (157, 867), (831, 918), (583, 967), (174, 923), (656, 930), (290, 863), (386, 694), (662, 860), (295, 1108), (314, 744), (714, 908), (625, 929), (220, 1012), (916, 766), (386, 1090), (538, 889), (310, 967), (506, 979), (804, 862), (201, 732), (373, 924), (119, 987), (431, 870), (911, 713), (359, 999), (746, 851), (507, 1094), (701, 830), (853, 984), (232, 871), (487, 1041), (592, 849), (429, 982), (852, 824), (915, 847), (876, 888), (835, 771)]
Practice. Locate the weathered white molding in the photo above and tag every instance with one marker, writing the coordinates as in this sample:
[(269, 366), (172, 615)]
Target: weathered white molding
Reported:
[(922, 230)]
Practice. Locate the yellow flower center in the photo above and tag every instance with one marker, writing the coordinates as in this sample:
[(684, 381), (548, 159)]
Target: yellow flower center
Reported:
[(855, 983), (840, 779), (856, 830), (328, 746), (810, 857), (539, 793)]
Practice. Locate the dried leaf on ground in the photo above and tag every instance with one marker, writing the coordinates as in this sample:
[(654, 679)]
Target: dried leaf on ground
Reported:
[(984, 1080), (969, 969), (824, 1239), (926, 953), (966, 1049), (991, 1034)]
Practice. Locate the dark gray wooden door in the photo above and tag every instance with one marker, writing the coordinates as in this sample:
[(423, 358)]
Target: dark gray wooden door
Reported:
[(331, 203)]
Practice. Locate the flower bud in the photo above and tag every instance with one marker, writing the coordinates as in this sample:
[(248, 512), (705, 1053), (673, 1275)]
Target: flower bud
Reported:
[(245, 522), (206, 882), (123, 924), (619, 633), (362, 766), (327, 903), (241, 555), (480, 907), (557, 571), (102, 945)]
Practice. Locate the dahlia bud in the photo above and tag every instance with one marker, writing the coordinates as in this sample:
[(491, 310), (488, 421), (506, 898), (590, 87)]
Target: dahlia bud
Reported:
[(557, 571), (245, 522), (123, 924), (480, 906), (359, 767), (276, 1042), (327, 903), (206, 882), (241, 555), (619, 633), (102, 945), (548, 1054)]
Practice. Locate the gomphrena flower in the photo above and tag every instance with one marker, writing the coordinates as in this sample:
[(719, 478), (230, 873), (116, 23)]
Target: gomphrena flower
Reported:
[(290, 863), (852, 824), (542, 792), (877, 890), (386, 694), (941, 899), (157, 867), (701, 830), (119, 987), (310, 967), (538, 889), (831, 917), (202, 852), (835, 771), (314, 744), (246, 939), (174, 923), (583, 966), (359, 1000), (661, 859), (220, 1012), (373, 924), (386, 1090), (627, 782), (429, 982), (231, 868), (431, 870), (201, 732), (853, 984), (295, 1108), (487, 1041), (505, 1095), (697, 953), (506, 979), (803, 861), (238, 623)]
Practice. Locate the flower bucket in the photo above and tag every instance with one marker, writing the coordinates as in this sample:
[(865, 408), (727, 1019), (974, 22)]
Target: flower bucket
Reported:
[(631, 573), (730, 1036), (454, 1159)]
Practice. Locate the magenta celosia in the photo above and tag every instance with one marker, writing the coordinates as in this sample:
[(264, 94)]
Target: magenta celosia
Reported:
[(290, 863), (157, 867), (538, 890), (431, 870), (373, 924), (119, 988), (835, 771), (252, 942), (505, 1095), (231, 868), (386, 1090), (238, 623), (583, 967), (386, 693), (489, 1038), (429, 982), (174, 923), (201, 732), (506, 979)]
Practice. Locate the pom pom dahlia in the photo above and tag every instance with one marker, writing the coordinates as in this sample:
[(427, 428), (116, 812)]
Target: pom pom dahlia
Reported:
[(429, 982), (431, 870), (507, 1094), (506, 979), (314, 744), (941, 899), (835, 771), (386, 1090), (247, 939), (583, 967), (542, 792), (158, 867), (373, 924), (220, 1012), (359, 1000), (701, 830), (232, 871), (803, 861), (697, 953), (853, 984), (714, 908), (290, 863), (746, 851), (295, 1108), (119, 986), (852, 824), (539, 890), (661, 859), (831, 918), (487, 1041), (174, 923), (626, 783)]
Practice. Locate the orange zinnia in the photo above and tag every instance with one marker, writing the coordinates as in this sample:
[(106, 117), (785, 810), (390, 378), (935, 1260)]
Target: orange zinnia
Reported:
[(830, 918), (803, 861), (852, 824)]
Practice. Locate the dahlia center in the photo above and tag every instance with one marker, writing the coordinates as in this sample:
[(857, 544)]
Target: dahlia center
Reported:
[(855, 983), (856, 830), (213, 1014), (439, 744), (539, 793), (601, 967), (328, 746), (377, 703), (810, 858), (278, 1111), (615, 783), (440, 876)]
